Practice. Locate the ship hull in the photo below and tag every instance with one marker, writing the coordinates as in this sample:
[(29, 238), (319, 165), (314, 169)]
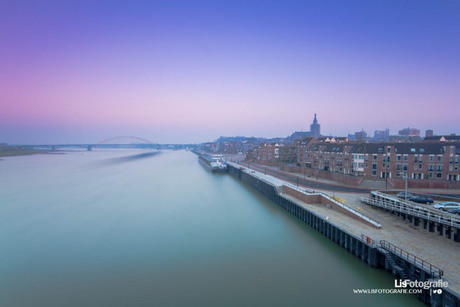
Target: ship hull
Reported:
[(207, 164)]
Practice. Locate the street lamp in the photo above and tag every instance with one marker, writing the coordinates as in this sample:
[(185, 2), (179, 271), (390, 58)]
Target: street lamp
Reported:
[(405, 177)]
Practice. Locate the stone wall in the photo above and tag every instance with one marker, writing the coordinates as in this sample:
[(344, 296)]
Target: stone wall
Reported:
[(423, 183), (321, 199), (341, 178)]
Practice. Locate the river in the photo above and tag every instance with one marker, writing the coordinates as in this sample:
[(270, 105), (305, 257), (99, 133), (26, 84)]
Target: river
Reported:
[(128, 228)]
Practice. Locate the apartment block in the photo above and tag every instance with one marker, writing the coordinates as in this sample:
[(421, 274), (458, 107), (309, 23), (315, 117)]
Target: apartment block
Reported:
[(273, 153), (424, 160)]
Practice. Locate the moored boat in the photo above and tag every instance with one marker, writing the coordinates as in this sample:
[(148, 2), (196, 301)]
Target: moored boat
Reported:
[(215, 163)]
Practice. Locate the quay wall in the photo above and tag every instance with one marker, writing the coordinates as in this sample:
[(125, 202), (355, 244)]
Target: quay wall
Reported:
[(366, 251), (320, 199)]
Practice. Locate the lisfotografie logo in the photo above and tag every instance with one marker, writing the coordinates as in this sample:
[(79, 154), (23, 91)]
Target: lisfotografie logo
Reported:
[(430, 284), (408, 286)]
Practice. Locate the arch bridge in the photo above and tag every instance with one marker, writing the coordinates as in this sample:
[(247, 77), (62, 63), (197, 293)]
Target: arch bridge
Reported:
[(113, 142), (125, 142)]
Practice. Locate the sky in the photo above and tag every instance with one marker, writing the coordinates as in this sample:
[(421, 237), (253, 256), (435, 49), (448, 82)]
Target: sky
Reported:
[(191, 71)]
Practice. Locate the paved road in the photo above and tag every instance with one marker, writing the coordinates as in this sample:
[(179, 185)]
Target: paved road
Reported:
[(312, 184), (308, 183)]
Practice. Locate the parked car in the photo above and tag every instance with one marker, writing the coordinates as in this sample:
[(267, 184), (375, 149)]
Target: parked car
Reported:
[(447, 205), (454, 211), (403, 195), (422, 199)]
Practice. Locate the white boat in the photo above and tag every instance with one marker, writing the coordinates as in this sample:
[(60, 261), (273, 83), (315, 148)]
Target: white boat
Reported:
[(215, 163)]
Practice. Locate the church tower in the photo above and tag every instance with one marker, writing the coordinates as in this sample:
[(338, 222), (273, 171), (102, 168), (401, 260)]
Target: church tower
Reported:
[(315, 128)]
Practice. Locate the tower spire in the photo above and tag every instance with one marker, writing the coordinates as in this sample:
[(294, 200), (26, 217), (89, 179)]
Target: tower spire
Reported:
[(315, 128)]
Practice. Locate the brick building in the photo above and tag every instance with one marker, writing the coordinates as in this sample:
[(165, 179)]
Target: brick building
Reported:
[(330, 157), (287, 153), (273, 153), (417, 160), (423, 160), (301, 147)]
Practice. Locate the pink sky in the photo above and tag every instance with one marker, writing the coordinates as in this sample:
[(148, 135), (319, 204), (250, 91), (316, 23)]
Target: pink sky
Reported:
[(88, 74)]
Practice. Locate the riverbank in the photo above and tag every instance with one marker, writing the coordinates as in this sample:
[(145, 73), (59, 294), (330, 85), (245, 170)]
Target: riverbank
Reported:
[(11, 151)]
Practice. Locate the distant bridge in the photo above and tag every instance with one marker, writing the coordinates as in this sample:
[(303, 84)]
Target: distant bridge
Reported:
[(116, 142), (125, 142)]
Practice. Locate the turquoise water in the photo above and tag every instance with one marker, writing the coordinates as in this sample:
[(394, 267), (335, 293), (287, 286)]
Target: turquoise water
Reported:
[(115, 228)]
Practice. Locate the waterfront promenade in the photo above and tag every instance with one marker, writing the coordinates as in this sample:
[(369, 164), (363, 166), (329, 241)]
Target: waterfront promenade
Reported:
[(428, 246), (330, 185)]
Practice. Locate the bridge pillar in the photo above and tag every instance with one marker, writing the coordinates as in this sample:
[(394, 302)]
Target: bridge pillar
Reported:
[(90, 147)]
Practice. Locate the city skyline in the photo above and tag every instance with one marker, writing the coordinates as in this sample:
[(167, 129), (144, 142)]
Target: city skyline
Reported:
[(370, 135), (189, 72)]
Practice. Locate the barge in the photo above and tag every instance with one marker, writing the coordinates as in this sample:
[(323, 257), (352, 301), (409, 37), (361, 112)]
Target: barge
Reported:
[(215, 163)]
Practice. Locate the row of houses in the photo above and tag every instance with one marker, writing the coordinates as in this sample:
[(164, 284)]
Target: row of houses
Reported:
[(273, 153), (435, 158)]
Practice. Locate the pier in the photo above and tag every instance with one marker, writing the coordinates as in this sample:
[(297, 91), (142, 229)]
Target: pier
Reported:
[(363, 236)]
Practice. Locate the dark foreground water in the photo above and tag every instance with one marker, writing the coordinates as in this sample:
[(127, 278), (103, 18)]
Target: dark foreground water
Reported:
[(126, 228)]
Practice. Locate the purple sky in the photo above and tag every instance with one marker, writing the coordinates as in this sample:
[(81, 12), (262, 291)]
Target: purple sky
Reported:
[(191, 71)]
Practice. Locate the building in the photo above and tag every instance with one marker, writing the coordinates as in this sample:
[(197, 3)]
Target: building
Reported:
[(315, 131), (416, 160), (360, 136), (429, 133), (443, 138), (332, 139), (273, 153), (301, 147), (315, 128), (409, 132), (298, 135), (423, 160), (287, 153), (330, 157), (381, 135)]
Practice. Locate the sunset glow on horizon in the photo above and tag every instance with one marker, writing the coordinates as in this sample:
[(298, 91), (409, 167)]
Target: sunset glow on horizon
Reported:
[(191, 71)]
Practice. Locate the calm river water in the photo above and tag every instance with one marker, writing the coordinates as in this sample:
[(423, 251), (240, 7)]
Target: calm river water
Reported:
[(115, 228)]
